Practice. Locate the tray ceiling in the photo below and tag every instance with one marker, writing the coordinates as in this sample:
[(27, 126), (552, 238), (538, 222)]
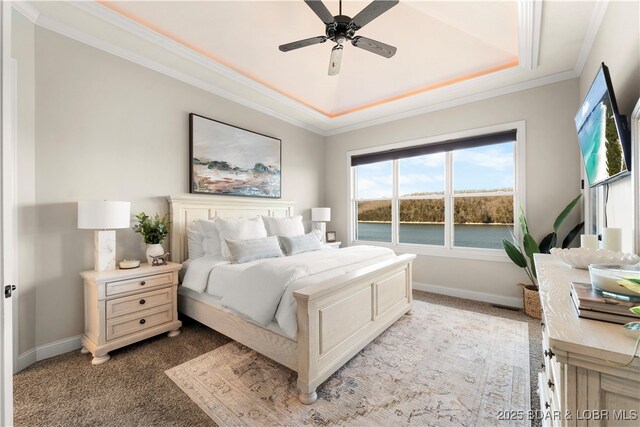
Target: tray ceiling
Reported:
[(449, 52)]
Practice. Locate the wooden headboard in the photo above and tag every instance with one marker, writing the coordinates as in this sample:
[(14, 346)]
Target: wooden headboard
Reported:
[(186, 208)]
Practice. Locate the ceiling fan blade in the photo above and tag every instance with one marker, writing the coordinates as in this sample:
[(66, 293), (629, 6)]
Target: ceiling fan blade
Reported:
[(302, 43), (335, 60), (374, 46), (321, 10), (371, 12)]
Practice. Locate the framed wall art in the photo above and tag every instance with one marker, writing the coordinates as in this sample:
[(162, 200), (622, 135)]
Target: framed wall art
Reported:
[(228, 160)]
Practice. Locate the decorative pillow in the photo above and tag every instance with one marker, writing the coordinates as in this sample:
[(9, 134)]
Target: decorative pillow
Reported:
[(238, 229), (195, 247), (210, 237), (290, 226), (251, 249), (297, 244)]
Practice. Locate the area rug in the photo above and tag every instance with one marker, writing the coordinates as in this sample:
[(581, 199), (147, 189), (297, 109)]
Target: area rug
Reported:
[(439, 366)]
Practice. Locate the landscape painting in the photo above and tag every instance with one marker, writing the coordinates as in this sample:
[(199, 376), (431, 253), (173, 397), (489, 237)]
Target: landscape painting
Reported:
[(227, 160)]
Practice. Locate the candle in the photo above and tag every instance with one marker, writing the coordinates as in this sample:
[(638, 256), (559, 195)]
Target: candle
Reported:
[(589, 241), (612, 239)]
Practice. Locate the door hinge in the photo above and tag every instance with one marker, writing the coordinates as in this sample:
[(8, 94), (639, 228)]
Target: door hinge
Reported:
[(8, 289)]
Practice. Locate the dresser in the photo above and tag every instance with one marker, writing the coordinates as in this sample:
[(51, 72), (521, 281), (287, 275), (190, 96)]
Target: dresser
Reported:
[(583, 379), (125, 306)]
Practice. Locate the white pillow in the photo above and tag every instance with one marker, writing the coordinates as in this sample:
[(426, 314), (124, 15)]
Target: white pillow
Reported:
[(194, 241), (298, 244), (238, 229), (252, 249), (210, 237), (290, 226)]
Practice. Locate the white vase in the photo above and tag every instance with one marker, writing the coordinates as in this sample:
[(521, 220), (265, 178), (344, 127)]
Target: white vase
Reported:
[(154, 249)]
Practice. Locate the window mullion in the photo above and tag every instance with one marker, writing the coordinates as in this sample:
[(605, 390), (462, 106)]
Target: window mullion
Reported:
[(395, 206), (448, 201)]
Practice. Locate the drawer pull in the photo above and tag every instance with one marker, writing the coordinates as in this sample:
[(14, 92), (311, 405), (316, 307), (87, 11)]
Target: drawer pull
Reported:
[(549, 353), (542, 324), (542, 365), (550, 383), (142, 321), (142, 301), (546, 405), (143, 283)]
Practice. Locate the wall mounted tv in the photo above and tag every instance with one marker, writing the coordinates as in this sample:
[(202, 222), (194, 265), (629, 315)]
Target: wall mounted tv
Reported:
[(604, 136)]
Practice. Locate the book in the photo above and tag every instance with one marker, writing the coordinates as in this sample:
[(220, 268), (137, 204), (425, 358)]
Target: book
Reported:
[(606, 317), (585, 298)]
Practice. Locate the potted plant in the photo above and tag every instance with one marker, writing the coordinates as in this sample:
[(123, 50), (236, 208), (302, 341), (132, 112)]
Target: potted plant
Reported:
[(522, 255), (154, 230)]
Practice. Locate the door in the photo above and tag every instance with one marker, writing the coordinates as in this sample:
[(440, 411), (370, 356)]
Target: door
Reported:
[(7, 229)]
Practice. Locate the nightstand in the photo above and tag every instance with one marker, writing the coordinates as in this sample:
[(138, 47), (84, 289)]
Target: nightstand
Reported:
[(122, 307), (333, 245)]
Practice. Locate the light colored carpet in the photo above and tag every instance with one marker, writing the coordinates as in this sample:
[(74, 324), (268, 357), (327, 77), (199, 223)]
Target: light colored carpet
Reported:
[(440, 366)]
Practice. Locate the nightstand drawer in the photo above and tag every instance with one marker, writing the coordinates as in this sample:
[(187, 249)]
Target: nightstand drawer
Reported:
[(139, 283), (125, 325), (135, 303)]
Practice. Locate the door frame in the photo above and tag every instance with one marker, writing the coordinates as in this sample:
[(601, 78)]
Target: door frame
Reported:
[(7, 214)]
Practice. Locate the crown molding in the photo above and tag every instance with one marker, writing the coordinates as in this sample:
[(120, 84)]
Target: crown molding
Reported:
[(65, 30), (529, 23), (27, 10), (139, 30), (543, 81), (597, 16)]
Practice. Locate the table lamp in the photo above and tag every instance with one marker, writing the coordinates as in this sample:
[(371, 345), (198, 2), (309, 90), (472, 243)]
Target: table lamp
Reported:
[(104, 217), (320, 217)]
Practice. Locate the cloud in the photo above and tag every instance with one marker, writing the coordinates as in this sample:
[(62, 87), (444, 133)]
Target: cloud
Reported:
[(489, 158)]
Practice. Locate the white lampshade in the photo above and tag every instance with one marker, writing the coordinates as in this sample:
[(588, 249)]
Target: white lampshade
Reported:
[(104, 215), (321, 214)]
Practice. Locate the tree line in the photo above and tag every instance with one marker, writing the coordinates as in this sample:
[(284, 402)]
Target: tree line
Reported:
[(467, 210)]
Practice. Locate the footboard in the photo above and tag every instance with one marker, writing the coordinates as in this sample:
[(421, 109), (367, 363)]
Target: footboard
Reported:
[(339, 318)]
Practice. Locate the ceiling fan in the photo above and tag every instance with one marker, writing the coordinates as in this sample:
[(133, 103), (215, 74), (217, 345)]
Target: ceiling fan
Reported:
[(341, 28)]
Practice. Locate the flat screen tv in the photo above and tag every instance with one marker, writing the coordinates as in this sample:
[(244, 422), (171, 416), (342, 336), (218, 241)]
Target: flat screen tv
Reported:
[(604, 136)]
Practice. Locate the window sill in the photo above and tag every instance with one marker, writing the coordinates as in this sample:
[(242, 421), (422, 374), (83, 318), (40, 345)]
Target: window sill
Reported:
[(495, 255)]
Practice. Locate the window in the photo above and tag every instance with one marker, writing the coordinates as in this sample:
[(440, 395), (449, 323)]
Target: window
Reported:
[(460, 194)]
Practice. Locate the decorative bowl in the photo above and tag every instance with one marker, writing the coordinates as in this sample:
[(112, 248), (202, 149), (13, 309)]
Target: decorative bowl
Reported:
[(605, 279), (583, 257), (126, 264)]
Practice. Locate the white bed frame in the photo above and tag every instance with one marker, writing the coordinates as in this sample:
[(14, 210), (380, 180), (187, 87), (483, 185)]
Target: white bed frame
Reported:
[(336, 318)]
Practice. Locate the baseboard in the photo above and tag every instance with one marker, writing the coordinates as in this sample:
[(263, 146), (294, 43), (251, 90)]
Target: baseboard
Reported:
[(46, 351), (467, 294)]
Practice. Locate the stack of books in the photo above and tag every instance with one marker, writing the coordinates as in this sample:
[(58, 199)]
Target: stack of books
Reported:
[(590, 305)]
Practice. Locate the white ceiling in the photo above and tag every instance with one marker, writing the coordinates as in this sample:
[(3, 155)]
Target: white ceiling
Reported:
[(448, 52)]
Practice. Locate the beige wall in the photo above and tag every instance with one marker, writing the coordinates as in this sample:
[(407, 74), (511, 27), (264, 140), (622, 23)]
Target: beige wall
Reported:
[(618, 46), (552, 173), (109, 129), (23, 51)]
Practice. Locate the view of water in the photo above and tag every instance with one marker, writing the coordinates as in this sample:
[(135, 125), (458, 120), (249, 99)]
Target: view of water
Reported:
[(465, 235)]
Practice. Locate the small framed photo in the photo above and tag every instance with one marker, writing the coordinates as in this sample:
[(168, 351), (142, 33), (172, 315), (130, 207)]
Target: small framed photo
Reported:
[(331, 236)]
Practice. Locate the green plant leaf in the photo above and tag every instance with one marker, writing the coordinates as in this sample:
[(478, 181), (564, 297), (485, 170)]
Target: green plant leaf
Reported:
[(530, 248), (635, 280), (632, 285), (633, 326), (635, 310), (563, 215), (523, 221), (572, 235), (514, 254), (548, 242)]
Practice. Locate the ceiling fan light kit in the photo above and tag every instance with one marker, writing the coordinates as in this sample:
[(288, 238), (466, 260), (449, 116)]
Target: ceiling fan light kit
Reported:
[(341, 28)]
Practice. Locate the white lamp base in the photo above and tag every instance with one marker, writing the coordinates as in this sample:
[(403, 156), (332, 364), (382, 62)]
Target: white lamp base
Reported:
[(322, 226), (104, 250)]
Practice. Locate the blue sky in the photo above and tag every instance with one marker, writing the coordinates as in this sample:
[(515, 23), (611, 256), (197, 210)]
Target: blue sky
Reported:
[(482, 168), (598, 88)]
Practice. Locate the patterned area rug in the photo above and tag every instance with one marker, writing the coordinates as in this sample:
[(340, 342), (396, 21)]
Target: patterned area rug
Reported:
[(440, 366)]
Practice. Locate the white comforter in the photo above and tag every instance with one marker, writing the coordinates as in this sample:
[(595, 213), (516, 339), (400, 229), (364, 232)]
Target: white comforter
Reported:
[(264, 290)]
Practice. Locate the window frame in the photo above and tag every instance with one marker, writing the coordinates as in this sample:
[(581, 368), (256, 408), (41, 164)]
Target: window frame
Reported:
[(449, 249)]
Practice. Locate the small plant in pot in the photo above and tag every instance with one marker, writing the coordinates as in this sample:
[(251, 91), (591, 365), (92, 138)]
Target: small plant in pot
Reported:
[(522, 255), (154, 230)]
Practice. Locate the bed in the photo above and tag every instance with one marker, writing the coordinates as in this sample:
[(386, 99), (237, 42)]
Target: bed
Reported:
[(337, 315)]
